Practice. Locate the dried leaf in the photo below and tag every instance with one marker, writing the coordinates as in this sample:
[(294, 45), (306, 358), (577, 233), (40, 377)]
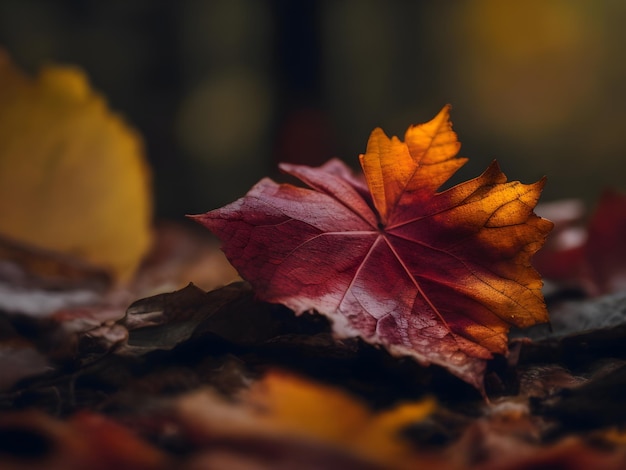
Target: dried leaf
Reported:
[(32, 440), (73, 178), (440, 276), (230, 313), (290, 409), (24, 265), (595, 404), (572, 453), (18, 360), (591, 257), (605, 251)]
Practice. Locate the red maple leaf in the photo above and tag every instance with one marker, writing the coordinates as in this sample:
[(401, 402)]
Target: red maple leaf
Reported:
[(439, 276)]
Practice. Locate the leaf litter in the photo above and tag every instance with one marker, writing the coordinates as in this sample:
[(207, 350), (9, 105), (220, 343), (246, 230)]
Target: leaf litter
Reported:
[(215, 377)]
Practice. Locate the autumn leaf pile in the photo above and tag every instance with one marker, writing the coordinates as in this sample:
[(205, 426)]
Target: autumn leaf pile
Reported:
[(383, 321), (440, 276)]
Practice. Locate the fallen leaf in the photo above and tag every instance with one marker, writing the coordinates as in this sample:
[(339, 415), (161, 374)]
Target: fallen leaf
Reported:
[(590, 256), (301, 406), (594, 404), (230, 313), (290, 409), (605, 251), (23, 265), (571, 453), (560, 258), (18, 360), (585, 316), (32, 440), (545, 380), (439, 276), (73, 178)]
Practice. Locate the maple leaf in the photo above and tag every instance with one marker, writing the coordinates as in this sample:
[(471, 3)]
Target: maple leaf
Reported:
[(440, 276)]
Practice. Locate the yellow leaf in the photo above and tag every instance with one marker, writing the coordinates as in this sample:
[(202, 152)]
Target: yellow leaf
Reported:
[(282, 406), (73, 177)]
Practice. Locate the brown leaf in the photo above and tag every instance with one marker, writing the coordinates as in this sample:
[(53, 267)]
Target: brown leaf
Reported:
[(31, 440)]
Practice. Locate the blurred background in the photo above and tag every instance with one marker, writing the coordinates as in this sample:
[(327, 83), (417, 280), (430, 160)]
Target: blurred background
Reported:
[(223, 90)]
